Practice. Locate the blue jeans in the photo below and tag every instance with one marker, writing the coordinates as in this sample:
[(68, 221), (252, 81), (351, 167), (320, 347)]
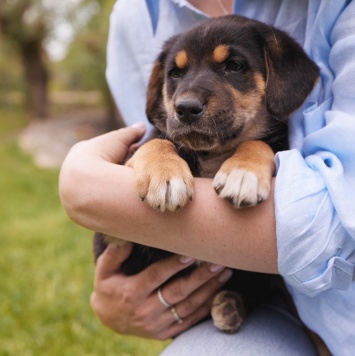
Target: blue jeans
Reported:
[(268, 330)]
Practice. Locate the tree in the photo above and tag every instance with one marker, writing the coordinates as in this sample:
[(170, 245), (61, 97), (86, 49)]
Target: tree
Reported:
[(86, 59), (29, 25), (10, 74), (25, 24)]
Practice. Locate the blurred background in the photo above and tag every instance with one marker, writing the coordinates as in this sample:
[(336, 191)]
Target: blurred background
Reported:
[(53, 94)]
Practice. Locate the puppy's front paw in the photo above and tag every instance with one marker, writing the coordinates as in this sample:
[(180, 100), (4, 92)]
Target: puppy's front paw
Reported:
[(168, 187), (162, 178), (242, 187), (244, 179), (228, 311)]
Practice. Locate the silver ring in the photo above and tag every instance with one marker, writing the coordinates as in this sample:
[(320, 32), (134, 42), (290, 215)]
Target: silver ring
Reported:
[(176, 315), (162, 300)]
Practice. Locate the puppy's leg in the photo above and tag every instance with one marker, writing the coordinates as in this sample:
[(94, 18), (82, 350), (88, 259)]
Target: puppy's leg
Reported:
[(162, 178), (245, 178), (228, 311), (101, 241)]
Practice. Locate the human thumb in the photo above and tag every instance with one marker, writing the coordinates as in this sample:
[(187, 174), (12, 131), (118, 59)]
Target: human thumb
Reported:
[(113, 146), (110, 261)]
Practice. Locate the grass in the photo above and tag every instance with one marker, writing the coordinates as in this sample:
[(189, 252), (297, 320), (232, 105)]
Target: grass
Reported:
[(46, 266)]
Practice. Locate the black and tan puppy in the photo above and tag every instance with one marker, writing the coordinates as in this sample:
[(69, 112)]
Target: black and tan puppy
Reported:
[(219, 96)]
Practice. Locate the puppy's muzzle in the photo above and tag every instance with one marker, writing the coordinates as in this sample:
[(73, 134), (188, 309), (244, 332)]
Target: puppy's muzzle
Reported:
[(189, 109)]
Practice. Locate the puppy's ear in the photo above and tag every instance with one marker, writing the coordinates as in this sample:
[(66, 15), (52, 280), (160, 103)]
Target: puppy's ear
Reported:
[(154, 103), (155, 91), (291, 74)]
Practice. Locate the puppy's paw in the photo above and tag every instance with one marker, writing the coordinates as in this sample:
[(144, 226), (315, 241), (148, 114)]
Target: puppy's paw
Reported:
[(244, 179), (168, 187), (228, 311), (162, 178), (242, 187)]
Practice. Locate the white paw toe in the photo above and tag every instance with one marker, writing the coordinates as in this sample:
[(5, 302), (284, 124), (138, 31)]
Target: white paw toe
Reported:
[(171, 195), (241, 188)]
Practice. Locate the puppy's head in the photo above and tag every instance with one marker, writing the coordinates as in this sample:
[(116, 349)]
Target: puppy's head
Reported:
[(225, 80)]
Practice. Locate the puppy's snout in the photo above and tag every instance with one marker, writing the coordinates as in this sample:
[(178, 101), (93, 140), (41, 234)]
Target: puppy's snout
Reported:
[(188, 110)]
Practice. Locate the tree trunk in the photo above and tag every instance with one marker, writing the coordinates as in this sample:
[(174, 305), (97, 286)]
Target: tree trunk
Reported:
[(36, 75)]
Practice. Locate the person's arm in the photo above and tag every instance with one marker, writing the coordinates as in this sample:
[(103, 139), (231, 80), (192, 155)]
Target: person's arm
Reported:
[(99, 194), (315, 185)]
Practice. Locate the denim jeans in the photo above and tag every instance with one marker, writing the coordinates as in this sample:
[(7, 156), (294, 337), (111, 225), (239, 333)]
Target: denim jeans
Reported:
[(268, 330)]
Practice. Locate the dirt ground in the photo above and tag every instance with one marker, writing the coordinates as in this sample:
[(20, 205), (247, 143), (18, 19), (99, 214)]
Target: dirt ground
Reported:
[(49, 141)]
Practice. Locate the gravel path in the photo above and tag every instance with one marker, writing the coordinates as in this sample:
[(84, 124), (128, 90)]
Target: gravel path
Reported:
[(48, 142)]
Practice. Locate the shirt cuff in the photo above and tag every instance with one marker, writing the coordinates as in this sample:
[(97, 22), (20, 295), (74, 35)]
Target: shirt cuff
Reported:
[(314, 250)]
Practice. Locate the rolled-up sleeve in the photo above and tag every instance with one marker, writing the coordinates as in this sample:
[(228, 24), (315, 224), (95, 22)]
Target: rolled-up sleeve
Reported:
[(315, 183), (314, 248)]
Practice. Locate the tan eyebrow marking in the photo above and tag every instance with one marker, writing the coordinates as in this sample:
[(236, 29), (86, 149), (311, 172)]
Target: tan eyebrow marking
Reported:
[(220, 53), (181, 59), (260, 83)]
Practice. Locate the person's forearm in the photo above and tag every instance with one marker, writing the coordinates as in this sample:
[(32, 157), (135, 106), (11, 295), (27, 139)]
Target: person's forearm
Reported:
[(207, 228)]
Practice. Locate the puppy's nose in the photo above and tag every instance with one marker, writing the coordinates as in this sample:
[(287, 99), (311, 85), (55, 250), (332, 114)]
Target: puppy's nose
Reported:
[(188, 110)]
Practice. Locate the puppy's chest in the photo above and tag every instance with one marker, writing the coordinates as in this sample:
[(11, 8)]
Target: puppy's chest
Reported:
[(206, 165)]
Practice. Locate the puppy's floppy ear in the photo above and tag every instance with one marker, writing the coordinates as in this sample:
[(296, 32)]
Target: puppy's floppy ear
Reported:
[(155, 91), (291, 74), (154, 103)]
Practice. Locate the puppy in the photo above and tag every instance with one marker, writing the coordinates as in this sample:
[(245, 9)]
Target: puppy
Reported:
[(219, 97)]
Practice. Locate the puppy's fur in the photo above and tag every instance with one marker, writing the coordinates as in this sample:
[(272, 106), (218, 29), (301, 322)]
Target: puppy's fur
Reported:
[(219, 96)]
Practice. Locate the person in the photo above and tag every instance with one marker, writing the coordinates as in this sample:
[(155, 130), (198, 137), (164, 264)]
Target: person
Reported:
[(305, 231)]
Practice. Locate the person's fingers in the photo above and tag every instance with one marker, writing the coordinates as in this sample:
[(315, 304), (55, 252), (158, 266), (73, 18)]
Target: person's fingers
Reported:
[(111, 147), (180, 288), (114, 146), (175, 328), (158, 273), (201, 296), (110, 261), (203, 284)]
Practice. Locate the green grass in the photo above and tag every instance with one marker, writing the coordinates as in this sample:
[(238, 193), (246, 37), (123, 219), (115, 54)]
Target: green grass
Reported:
[(46, 266)]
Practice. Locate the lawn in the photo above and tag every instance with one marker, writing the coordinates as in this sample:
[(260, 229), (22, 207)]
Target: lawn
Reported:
[(46, 266)]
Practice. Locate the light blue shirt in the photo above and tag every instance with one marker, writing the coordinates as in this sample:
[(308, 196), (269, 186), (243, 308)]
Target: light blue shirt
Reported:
[(315, 184)]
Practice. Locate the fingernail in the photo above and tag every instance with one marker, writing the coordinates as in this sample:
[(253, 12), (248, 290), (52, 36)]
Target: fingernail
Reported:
[(118, 242), (225, 275), (215, 268), (140, 125), (112, 247), (186, 259)]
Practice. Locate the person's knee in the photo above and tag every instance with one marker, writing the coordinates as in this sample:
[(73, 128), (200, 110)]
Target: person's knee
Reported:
[(267, 331)]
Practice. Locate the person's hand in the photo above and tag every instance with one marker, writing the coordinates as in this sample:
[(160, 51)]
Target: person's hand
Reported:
[(130, 304), (114, 146), (90, 162)]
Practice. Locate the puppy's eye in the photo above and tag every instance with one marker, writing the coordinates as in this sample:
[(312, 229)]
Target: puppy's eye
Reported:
[(233, 66), (175, 73)]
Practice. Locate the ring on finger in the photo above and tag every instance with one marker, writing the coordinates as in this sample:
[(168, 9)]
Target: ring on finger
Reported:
[(176, 315), (162, 300)]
